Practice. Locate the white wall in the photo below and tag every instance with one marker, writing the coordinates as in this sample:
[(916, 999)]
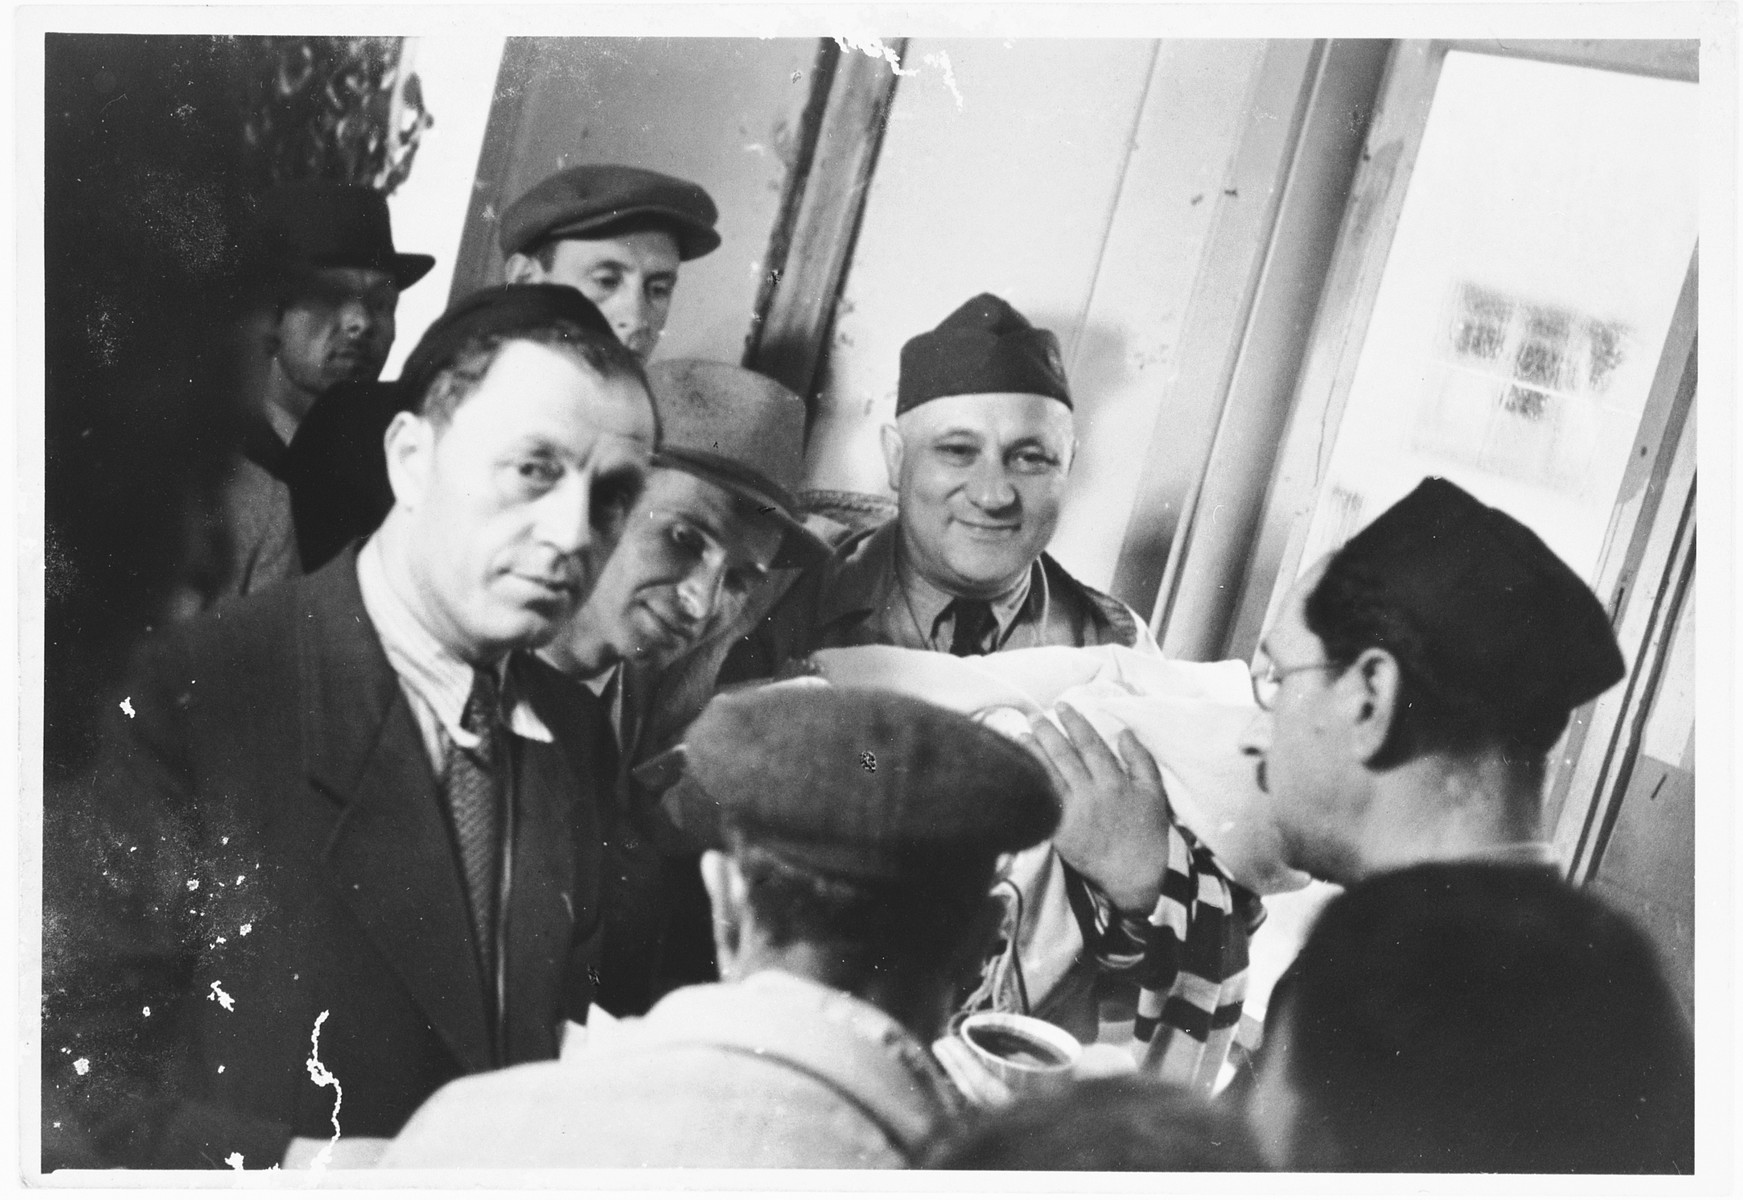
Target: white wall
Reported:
[(458, 75), (1078, 180)]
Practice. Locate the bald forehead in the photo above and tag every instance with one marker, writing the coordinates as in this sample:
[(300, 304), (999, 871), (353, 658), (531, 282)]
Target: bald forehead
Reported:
[(1007, 416)]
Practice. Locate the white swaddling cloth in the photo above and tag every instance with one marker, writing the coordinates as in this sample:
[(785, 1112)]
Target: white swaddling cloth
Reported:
[(1189, 716)]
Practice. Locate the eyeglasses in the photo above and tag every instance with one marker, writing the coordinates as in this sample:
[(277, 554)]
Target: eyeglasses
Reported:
[(1268, 680)]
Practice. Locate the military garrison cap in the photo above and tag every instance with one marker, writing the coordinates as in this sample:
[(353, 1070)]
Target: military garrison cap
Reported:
[(857, 783), (594, 199), (1501, 615), (984, 346)]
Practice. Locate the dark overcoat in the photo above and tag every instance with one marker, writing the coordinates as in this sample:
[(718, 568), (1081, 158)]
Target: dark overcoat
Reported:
[(255, 924)]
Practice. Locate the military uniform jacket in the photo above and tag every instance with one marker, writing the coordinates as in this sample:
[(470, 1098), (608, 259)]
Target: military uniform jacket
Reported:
[(853, 598), (773, 1071), (255, 924)]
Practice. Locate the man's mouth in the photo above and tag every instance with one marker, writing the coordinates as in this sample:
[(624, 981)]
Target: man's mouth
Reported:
[(666, 628), (988, 530)]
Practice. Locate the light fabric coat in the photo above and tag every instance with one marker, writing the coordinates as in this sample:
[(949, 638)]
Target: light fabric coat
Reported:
[(773, 1071)]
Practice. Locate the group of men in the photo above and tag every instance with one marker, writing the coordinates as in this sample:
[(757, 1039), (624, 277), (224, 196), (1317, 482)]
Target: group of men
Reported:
[(415, 806)]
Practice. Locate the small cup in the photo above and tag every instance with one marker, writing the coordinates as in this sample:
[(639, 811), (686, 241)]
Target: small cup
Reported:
[(1026, 1054)]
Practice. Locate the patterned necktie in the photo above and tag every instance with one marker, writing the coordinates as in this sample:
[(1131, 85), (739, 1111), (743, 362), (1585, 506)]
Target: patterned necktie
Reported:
[(472, 784), (974, 620)]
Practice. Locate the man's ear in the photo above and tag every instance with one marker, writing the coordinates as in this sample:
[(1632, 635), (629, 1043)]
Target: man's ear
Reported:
[(410, 444), (891, 439), (1374, 683), (727, 896), (522, 268)]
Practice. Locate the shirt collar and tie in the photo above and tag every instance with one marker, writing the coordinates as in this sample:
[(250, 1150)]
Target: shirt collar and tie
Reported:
[(436, 682), (959, 625)]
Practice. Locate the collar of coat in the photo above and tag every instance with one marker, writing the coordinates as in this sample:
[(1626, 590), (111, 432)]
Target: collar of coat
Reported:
[(855, 1047)]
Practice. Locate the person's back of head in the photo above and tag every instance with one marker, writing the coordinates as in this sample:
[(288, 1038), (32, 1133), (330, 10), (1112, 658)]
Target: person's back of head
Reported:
[(1124, 1123), (1475, 1017), (853, 837)]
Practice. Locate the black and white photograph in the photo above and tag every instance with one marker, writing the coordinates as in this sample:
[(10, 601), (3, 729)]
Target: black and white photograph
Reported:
[(650, 596)]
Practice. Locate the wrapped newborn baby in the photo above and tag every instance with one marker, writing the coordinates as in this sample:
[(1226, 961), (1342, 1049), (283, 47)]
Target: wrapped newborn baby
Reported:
[(1189, 716)]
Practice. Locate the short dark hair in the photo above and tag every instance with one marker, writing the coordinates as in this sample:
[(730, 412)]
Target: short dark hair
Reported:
[(1349, 611), (1126, 1123), (873, 929), (465, 368), (1480, 1017), (544, 251)]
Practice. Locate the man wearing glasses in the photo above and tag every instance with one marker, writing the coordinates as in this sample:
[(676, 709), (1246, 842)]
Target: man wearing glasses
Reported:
[(1414, 685)]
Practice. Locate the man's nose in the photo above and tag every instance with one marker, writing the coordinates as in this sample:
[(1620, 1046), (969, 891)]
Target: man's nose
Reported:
[(356, 317), (563, 519), (1256, 737), (991, 489), (699, 591), (631, 315)]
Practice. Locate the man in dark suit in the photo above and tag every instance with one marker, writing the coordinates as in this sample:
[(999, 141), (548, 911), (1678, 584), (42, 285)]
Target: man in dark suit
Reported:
[(344, 845)]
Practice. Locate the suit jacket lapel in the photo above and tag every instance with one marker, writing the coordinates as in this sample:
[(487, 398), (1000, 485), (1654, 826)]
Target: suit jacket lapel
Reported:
[(555, 898), (390, 853)]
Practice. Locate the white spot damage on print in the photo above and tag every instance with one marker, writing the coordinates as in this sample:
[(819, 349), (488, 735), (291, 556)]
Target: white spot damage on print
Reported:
[(873, 47), (193, 885), (127, 706), (246, 930), (221, 996), (941, 60), (234, 1162), (82, 1065), (324, 1078)]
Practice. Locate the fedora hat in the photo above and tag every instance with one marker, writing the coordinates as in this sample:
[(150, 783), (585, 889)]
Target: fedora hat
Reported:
[(314, 223), (742, 432)]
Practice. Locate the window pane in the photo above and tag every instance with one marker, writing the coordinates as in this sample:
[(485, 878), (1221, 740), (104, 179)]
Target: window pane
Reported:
[(1549, 222)]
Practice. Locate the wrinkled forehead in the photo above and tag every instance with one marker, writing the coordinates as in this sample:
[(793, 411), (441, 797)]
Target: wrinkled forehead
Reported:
[(1002, 417), (552, 387)]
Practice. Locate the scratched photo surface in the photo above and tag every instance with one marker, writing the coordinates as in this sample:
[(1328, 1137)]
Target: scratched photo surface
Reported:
[(1288, 278)]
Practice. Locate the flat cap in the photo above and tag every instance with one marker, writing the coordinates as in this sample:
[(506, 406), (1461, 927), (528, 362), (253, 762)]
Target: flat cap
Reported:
[(590, 200), (984, 346), (740, 431), (1496, 610), (857, 783)]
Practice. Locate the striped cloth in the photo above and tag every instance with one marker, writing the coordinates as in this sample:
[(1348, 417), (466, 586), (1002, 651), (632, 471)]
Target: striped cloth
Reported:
[(1189, 961)]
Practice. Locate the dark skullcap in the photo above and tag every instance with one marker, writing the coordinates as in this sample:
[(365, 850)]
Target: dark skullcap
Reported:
[(1499, 614), (596, 199), (984, 346), (859, 784), (512, 308)]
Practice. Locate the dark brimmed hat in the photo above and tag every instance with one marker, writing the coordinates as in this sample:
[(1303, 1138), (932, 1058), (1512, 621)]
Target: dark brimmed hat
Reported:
[(740, 431), (984, 346), (1497, 611), (591, 201), (858, 784), (312, 223)]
